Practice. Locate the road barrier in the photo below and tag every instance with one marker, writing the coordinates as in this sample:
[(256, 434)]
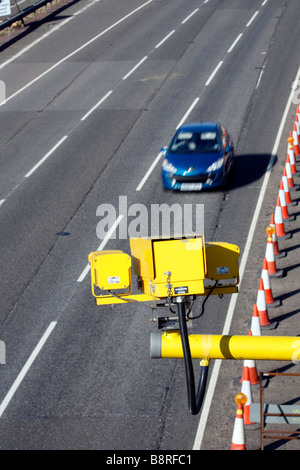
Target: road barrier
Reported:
[(22, 14)]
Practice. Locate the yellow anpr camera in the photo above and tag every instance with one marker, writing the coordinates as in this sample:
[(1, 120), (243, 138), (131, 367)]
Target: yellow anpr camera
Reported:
[(160, 263), (165, 268), (110, 271)]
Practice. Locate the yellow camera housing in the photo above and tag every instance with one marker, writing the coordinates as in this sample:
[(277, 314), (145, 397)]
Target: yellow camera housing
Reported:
[(222, 261), (165, 268), (110, 270), (180, 260)]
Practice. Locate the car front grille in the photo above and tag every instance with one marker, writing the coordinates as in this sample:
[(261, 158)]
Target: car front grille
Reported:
[(193, 178)]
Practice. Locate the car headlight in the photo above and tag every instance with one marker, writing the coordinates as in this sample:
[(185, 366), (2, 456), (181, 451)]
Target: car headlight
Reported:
[(167, 166), (216, 165)]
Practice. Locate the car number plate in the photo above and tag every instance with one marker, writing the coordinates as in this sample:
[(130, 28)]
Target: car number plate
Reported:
[(191, 186)]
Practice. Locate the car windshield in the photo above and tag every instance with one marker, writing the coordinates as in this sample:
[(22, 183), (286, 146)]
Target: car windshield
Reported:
[(195, 142)]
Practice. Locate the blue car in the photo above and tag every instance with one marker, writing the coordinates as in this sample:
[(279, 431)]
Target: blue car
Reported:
[(199, 156)]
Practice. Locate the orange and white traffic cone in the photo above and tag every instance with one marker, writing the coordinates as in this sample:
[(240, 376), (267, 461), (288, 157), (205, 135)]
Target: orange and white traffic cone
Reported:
[(270, 255), (261, 303), (246, 390), (286, 189), (290, 151), (267, 286), (255, 323), (296, 141), (251, 366), (290, 175), (283, 204), (298, 129), (238, 437), (277, 252), (298, 120), (279, 225)]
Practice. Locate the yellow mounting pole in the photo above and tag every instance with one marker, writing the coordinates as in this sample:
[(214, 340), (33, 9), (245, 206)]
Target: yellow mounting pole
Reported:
[(279, 348)]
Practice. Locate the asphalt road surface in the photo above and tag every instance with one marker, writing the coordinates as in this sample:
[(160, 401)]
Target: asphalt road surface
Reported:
[(92, 95)]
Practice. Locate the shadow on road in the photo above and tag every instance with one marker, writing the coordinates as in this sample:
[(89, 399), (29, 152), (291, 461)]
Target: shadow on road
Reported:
[(249, 168)]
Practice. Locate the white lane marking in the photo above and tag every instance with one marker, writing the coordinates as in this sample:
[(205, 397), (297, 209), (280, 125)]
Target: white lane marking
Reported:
[(235, 42), (252, 19), (188, 112), (96, 105), (101, 246), (1, 201), (135, 67), (164, 39), (234, 297), (148, 173), (259, 78), (26, 368), (46, 156), (214, 73), (189, 16), (83, 46)]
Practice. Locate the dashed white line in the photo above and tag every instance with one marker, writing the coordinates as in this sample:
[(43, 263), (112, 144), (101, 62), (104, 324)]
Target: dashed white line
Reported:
[(46, 156), (187, 113), (26, 368), (235, 42), (96, 105), (189, 16), (148, 173), (214, 73), (251, 19), (259, 78), (135, 67), (164, 39)]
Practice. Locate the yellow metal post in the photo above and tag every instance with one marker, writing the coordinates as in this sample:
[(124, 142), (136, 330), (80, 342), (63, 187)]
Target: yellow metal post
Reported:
[(279, 348)]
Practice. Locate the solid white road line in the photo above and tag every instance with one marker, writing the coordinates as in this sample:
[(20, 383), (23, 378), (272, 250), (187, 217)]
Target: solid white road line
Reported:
[(234, 297), (26, 368), (37, 41), (83, 46)]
